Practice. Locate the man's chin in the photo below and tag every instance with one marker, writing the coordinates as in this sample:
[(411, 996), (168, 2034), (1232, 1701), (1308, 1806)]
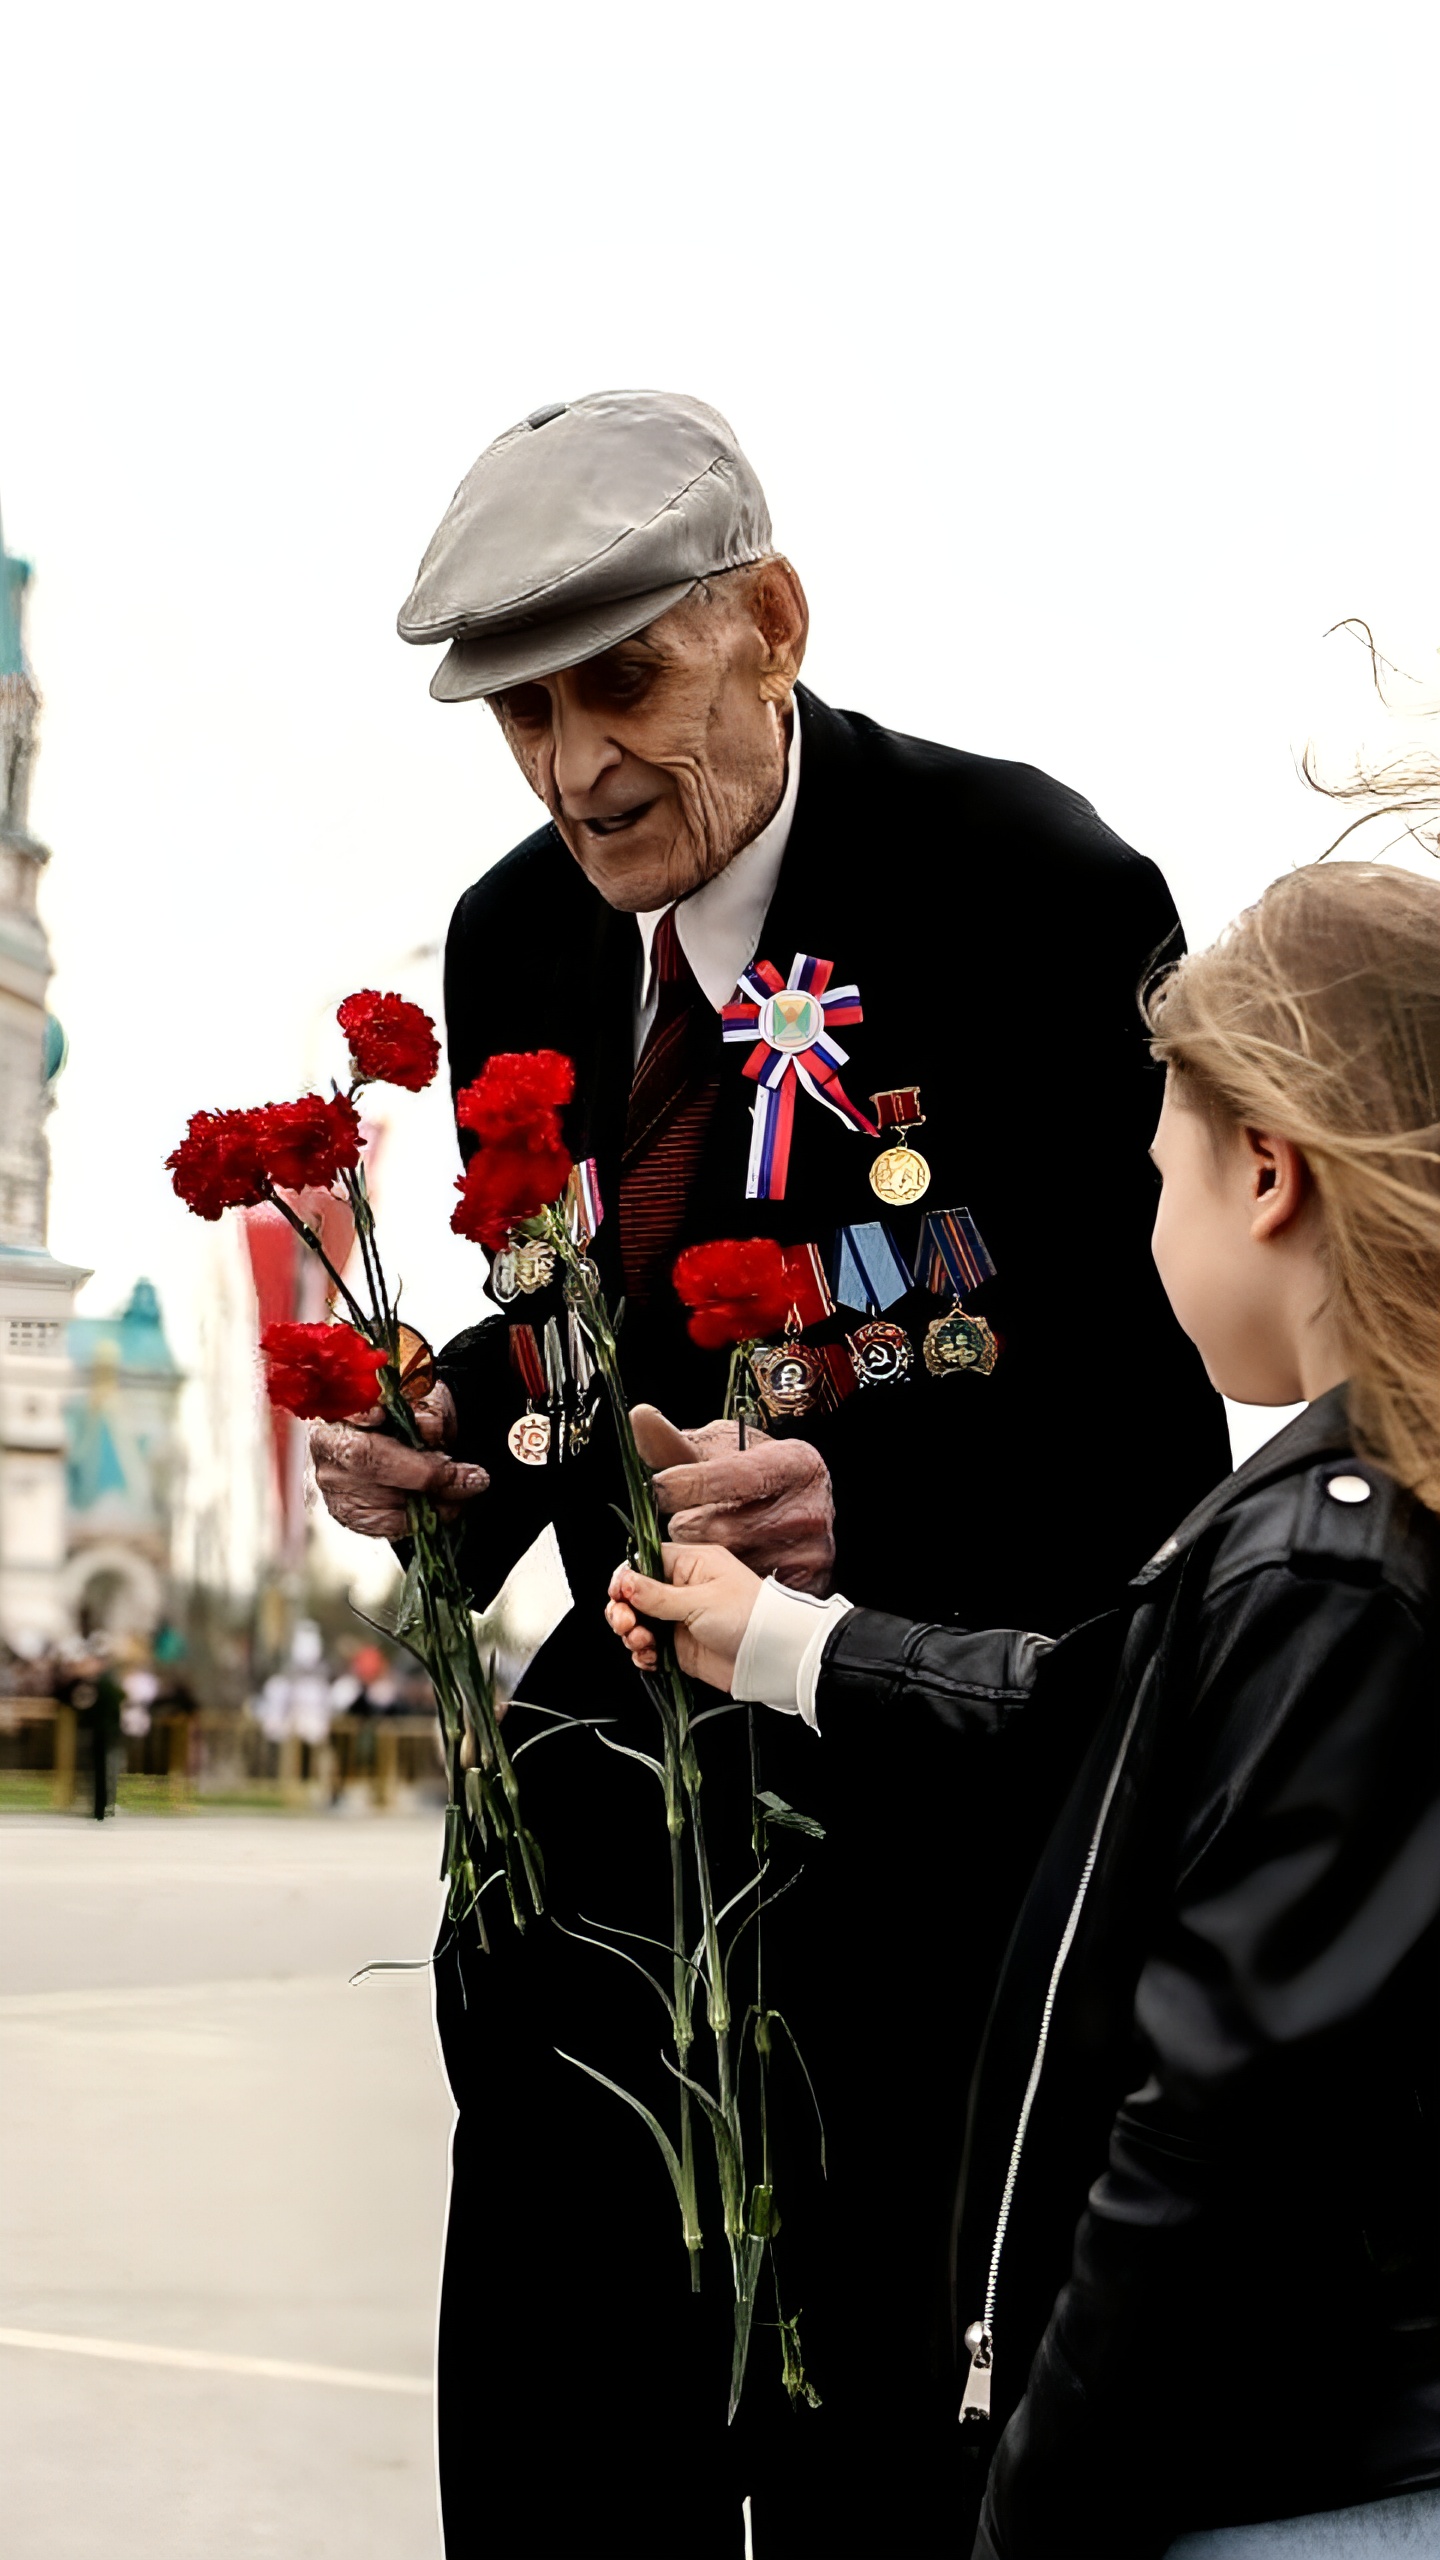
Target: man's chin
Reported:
[(634, 878)]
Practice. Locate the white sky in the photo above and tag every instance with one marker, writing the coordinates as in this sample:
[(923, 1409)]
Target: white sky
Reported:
[(1088, 357)]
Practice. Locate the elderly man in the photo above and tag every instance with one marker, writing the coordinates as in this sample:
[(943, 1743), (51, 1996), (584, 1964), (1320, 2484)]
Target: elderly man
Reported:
[(1008, 1415)]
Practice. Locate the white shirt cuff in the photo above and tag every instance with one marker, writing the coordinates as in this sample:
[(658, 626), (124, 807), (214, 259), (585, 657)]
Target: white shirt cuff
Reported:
[(778, 1664)]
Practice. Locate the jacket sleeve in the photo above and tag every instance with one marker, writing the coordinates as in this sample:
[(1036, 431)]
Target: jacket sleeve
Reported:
[(1308, 1873), (973, 1683)]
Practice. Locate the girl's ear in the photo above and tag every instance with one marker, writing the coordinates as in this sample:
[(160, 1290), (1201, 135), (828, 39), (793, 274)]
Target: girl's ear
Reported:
[(1278, 1181)]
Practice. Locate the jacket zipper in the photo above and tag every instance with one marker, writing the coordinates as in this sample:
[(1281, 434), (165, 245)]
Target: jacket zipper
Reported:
[(980, 2336)]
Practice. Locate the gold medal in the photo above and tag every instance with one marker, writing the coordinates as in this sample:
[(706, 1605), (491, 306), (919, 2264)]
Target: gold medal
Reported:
[(957, 1342), (529, 1439), (900, 1176)]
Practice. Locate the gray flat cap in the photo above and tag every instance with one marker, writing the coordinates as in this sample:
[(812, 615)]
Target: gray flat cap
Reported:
[(574, 530)]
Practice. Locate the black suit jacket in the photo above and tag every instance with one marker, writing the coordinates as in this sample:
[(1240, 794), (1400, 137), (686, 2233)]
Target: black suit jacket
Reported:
[(998, 933)]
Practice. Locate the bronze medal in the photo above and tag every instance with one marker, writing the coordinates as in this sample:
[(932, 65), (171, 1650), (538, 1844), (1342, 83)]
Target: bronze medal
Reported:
[(957, 1342), (881, 1354), (788, 1377), (529, 1439)]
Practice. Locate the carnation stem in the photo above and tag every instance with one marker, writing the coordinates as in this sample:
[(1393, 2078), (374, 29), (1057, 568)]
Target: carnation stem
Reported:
[(308, 1237)]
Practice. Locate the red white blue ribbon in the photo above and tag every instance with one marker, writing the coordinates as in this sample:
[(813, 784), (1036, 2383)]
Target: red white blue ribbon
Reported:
[(790, 1024)]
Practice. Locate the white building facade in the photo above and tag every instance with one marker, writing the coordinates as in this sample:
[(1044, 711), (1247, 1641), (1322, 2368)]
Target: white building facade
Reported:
[(37, 1293)]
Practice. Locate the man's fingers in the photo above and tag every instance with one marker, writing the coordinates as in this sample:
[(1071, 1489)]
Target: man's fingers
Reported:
[(744, 1476), (435, 1416), (370, 1458), (658, 1441)]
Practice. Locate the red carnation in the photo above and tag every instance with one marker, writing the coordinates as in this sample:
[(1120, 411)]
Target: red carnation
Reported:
[(502, 1185), (736, 1291), (323, 1372), (516, 1097), (218, 1164), (391, 1041), (306, 1143)]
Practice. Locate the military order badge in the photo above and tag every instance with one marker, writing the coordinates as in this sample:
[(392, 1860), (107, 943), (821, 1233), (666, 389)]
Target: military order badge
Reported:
[(881, 1354), (789, 1377), (900, 1175), (957, 1342)]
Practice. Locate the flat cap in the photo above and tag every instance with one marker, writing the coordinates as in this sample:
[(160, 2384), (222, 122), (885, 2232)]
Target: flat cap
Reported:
[(575, 529)]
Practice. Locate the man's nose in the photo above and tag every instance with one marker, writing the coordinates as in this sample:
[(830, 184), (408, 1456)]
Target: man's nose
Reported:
[(583, 754)]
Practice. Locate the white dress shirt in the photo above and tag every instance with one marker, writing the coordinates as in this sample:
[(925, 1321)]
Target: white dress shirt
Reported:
[(778, 1664), (719, 925)]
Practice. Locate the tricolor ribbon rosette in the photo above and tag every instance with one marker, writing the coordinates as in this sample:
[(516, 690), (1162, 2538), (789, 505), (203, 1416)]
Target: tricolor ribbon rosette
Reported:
[(790, 1023)]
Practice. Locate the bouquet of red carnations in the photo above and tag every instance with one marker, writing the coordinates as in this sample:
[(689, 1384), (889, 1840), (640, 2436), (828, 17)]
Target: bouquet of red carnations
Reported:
[(281, 1152), (517, 1191)]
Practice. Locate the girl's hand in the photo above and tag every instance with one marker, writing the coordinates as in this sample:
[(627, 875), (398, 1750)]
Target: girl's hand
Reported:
[(707, 1599)]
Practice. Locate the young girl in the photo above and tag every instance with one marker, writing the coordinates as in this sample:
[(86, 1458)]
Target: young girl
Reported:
[(1197, 2259)]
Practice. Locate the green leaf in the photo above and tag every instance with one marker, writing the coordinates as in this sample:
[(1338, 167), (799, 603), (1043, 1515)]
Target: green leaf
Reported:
[(642, 1940), (776, 2020), (785, 1818), (751, 1885), (645, 1758), (582, 1938), (572, 1724), (408, 1612), (749, 2259), (671, 2156), (729, 2159)]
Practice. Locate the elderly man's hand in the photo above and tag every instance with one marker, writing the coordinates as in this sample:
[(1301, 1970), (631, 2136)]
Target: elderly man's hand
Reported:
[(365, 1476), (770, 1503)]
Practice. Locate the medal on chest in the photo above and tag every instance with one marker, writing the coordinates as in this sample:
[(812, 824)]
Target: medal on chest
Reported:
[(953, 1254), (899, 1175), (528, 1437)]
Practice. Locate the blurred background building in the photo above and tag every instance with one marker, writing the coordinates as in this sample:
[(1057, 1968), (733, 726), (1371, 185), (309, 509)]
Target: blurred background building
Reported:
[(37, 1292), (89, 1445)]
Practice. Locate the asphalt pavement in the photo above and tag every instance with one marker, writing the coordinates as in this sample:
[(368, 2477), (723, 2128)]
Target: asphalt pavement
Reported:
[(222, 2188)]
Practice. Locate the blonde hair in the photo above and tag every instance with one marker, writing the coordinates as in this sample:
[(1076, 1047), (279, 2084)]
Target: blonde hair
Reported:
[(1317, 1014)]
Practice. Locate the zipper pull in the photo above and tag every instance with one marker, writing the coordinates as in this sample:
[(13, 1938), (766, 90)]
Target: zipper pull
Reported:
[(976, 2403)]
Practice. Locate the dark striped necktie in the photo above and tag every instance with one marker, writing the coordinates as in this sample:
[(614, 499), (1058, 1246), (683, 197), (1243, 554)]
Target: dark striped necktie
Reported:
[(672, 1101)]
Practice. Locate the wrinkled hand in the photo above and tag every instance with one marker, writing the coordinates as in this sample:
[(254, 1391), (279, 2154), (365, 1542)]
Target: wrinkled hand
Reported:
[(770, 1503), (707, 1598), (365, 1476)]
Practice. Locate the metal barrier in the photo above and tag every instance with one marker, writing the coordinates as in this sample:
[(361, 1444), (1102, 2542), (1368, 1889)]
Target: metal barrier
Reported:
[(189, 1757)]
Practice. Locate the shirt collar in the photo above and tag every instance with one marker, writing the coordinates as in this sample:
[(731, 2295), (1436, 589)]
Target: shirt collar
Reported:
[(719, 925)]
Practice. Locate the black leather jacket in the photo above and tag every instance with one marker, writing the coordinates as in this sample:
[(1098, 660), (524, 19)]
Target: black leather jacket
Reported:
[(1223, 2000)]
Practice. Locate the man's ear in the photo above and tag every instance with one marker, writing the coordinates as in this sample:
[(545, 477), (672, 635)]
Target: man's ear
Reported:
[(782, 618), (1279, 1180)]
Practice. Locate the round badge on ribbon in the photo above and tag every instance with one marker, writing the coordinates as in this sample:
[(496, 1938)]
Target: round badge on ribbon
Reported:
[(790, 1024)]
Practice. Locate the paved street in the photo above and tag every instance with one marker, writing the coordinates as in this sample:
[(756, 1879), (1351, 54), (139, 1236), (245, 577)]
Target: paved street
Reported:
[(218, 2155)]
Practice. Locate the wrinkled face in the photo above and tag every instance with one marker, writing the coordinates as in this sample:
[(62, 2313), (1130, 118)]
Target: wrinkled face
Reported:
[(659, 759), (1231, 1290)]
